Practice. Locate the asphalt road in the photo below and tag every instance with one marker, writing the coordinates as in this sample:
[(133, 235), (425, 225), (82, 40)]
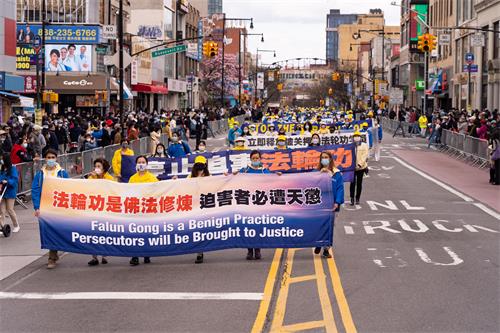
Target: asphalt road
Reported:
[(412, 257)]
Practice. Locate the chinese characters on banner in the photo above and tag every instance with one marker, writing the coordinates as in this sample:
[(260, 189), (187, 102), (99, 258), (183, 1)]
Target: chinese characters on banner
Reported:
[(186, 216), (286, 161), (301, 141)]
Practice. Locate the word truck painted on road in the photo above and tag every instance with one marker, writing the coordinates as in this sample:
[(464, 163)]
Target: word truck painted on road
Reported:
[(186, 215)]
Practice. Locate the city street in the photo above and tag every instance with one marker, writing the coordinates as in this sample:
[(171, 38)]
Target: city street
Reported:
[(407, 258)]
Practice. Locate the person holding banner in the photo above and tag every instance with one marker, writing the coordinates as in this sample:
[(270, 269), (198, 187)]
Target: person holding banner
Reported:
[(101, 168), (117, 157), (361, 168), (234, 132), (200, 169), (281, 143), (327, 164), (323, 129), (141, 176), (160, 151), (240, 144), (50, 169)]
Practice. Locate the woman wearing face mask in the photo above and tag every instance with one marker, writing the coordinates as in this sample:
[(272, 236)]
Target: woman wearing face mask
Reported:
[(19, 153), (141, 176), (324, 129), (361, 168), (9, 178), (101, 168), (200, 169), (308, 128), (202, 147), (246, 131), (117, 158), (160, 151), (255, 167), (315, 140), (89, 143), (239, 144), (51, 169), (281, 142), (327, 164)]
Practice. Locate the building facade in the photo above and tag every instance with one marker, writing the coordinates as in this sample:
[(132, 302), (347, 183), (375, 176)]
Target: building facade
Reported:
[(333, 20)]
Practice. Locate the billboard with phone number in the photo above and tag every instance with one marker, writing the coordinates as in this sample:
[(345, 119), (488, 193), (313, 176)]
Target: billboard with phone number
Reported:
[(56, 33)]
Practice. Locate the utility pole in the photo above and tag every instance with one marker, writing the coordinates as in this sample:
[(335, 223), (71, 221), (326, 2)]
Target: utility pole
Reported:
[(120, 61), (42, 51), (426, 67), (223, 56)]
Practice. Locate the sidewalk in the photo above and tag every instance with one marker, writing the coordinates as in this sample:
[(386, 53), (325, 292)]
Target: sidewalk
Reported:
[(23, 248), (469, 180)]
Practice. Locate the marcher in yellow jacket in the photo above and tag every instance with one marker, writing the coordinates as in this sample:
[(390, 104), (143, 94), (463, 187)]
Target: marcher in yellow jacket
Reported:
[(281, 142), (361, 168), (240, 144), (323, 129), (422, 123), (117, 157), (141, 176), (101, 168)]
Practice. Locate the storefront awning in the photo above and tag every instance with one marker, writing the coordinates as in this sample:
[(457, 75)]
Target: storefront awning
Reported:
[(23, 100), (150, 88), (115, 86)]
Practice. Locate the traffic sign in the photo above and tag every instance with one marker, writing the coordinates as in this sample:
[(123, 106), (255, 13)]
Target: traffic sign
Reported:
[(470, 68), (469, 58), (170, 50), (109, 31), (396, 96), (477, 40), (115, 59)]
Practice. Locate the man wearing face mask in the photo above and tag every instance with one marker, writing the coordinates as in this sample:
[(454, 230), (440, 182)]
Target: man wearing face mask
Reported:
[(281, 143), (177, 147), (51, 169), (361, 167), (117, 157)]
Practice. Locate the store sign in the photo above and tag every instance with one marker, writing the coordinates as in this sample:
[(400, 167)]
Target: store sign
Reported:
[(396, 96), (68, 58), (76, 83), (56, 33), (260, 81), (25, 57), (29, 84), (177, 85), (444, 39), (477, 40)]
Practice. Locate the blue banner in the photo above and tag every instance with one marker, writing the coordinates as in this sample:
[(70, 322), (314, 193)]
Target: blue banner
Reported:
[(186, 215), (285, 161), (59, 34)]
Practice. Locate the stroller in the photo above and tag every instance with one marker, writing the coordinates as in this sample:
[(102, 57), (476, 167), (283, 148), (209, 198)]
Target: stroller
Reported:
[(6, 227)]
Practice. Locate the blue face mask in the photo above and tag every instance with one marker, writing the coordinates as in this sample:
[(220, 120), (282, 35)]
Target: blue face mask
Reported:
[(51, 163), (256, 164), (325, 162)]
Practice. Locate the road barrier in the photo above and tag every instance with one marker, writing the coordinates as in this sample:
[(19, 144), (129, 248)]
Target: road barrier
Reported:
[(81, 164), (460, 146)]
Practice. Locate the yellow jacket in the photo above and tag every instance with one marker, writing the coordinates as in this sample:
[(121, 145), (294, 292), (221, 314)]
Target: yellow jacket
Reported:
[(116, 162), (148, 177), (324, 131), (106, 176), (239, 148), (362, 156), (422, 121)]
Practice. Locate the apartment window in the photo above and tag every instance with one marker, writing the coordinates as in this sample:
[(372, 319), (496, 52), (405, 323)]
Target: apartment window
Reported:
[(459, 11), (58, 11), (458, 59), (485, 51), (451, 8)]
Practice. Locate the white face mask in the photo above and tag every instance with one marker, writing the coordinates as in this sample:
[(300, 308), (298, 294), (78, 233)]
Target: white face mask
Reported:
[(357, 139), (98, 171), (315, 141), (240, 144), (160, 151), (202, 148), (141, 167)]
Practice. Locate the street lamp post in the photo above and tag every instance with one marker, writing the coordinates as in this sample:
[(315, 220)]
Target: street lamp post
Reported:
[(257, 68), (224, 19), (239, 61)]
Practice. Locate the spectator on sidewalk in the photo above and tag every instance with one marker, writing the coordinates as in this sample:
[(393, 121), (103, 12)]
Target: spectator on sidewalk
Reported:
[(435, 137), (494, 150), (19, 153), (51, 169), (9, 178), (422, 123), (401, 119)]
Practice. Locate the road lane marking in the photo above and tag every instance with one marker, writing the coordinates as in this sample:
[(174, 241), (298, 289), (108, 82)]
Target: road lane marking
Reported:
[(304, 326), (260, 320), (487, 210), (133, 296), (326, 305), (345, 312), (434, 180), (279, 312), (302, 278)]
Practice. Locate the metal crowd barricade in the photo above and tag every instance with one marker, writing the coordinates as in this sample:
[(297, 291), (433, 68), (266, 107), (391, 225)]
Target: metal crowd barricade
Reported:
[(465, 147)]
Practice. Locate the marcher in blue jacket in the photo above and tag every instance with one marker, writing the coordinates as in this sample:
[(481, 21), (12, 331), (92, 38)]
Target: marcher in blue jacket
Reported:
[(234, 133), (50, 169), (327, 164), (178, 148), (9, 178)]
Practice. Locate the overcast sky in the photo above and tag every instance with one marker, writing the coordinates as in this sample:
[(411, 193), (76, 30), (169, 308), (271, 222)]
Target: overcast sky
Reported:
[(296, 28)]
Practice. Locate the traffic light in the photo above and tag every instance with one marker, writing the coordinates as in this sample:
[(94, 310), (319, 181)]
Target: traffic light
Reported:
[(432, 42), (420, 45), (213, 49), (206, 49), (424, 43)]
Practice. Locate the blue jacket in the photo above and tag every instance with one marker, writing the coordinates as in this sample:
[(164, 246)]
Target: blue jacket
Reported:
[(232, 134), (178, 149), (36, 186), (338, 188), (12, 182)]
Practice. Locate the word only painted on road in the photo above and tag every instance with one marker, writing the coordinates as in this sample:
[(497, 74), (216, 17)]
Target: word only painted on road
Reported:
[(186, 215), (301, 141), (285, 161)]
